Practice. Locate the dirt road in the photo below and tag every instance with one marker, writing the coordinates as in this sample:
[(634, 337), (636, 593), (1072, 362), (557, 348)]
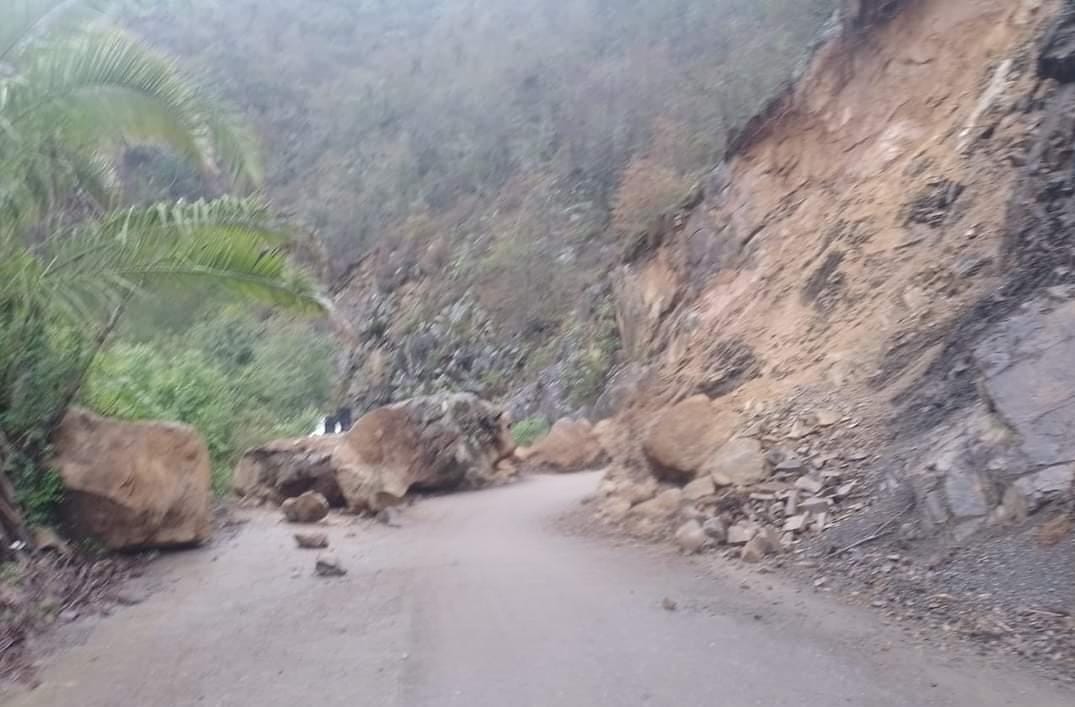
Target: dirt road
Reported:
[(479, 601)]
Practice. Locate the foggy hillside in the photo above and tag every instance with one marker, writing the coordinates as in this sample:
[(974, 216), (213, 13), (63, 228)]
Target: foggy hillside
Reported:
[(500, 153), (380, 114)]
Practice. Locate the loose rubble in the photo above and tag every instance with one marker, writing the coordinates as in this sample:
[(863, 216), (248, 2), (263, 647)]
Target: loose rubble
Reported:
[(328, 565), (311, 541)]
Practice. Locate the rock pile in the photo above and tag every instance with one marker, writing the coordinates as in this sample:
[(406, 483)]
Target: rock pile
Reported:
[(438, 443), (711, 481)]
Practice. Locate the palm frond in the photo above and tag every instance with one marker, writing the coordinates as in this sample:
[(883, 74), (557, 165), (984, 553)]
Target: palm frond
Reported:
[(103, 86), (227, 243)]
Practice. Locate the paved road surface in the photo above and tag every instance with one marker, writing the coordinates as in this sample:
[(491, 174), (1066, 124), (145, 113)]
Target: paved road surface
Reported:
[(478, 601)]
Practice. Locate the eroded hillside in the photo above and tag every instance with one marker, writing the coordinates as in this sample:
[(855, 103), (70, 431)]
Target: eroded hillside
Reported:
[(875, 290)]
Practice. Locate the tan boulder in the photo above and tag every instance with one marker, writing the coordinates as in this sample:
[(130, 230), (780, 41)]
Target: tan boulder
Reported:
[(437, 443), (664, 505), (683, 437), (289, 468), (310, 507), (132, 485), (570, 446), (739, 462)]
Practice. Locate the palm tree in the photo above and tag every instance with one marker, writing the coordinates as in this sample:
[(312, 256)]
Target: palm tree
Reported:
[(74, 90)]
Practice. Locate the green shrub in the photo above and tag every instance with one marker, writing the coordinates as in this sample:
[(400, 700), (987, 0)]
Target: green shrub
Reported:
[(38, 360), (530, 430), (38, 492), (239, 381)]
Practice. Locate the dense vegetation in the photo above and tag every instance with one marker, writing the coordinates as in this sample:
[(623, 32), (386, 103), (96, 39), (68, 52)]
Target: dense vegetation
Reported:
[(507, 143), (239, 379), (74, 256)]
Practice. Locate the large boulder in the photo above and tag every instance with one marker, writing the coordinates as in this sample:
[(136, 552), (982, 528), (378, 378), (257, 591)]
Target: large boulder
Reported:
[(289, 468), (570, 446), (436, 443), (133, 485), (683, 437)]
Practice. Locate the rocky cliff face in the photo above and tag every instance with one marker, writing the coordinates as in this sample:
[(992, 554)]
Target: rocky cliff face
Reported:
[(879, 283)]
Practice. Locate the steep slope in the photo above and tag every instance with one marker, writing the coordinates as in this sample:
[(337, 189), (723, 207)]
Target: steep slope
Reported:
[(876, 284), (470, 169)]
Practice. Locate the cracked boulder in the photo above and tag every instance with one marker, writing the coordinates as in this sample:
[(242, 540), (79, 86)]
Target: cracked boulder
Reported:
[(437, 443)]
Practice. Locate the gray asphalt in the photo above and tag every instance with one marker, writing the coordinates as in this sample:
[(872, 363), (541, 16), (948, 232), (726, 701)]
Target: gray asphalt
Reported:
[(479, 600)]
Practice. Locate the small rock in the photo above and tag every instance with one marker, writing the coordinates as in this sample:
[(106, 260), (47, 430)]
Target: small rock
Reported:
[(1040, 486), (845, 490), (69, 615), (766, 542), (690, 537), (755, 550), (816, 504), (790, 464), (782, 459), (310, 507), (796, 524), (966, 492), (791, 506), (328, 565), (799, 430), (311, 541), (716, 529), (742, 532), (666, 504), (740, 462), (389, 517), (669, 604), (822, 521), (809, 485), (699, 488)]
